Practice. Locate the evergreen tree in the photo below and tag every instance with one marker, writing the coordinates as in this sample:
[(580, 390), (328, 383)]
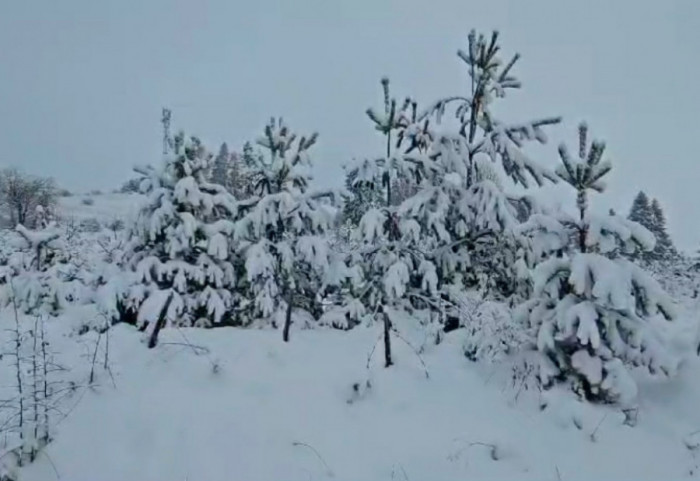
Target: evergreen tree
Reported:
[(483, 147), (362, 197), (37, 277), (593, 312), (443, 238), (664, 250), (247, 165), (179, 247), (221, 167), (651, 216), (641, 211), (238, 178), (480, 132), (251, 158), (287, 258)]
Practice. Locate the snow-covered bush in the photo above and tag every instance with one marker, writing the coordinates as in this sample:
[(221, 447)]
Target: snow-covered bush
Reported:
[(180, 252), (131, 186), (38, 275), (490, 331), (595, 312)]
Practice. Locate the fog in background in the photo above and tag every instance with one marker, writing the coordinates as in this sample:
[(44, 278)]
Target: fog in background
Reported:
[(82, 82)]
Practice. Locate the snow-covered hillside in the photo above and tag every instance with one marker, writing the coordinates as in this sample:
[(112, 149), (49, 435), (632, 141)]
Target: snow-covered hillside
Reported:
[(103, 207)]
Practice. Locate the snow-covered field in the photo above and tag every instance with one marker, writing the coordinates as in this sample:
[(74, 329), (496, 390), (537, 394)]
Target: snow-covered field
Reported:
[(242, 404), (104, 207), (229, 403)]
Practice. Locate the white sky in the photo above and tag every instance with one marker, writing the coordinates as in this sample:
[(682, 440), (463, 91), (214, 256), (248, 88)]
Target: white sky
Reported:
[(82, 82)]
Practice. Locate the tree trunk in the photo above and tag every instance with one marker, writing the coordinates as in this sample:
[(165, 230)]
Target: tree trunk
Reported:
[(582, 202), (287, 320), (160, 323), (387, 340)]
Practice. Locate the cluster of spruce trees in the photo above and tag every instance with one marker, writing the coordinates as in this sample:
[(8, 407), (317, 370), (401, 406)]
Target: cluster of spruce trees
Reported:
[(651, 215)]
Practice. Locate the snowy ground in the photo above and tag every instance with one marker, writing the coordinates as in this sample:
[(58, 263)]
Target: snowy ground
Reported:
[(249, 407), (254, 408)]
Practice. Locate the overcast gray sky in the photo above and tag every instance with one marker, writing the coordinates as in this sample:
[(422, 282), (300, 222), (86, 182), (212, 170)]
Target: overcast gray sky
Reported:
[(82, 82)]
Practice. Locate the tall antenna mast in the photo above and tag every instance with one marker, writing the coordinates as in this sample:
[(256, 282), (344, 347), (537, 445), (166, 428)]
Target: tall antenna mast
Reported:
[(165, 120)]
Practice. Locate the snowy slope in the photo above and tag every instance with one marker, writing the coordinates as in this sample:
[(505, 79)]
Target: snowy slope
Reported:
[(254, 408), (105, 207)]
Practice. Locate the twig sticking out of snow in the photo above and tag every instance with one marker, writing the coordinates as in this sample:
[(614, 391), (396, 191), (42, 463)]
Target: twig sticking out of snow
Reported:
[(94, 358), (593, 434), (403, 472), (53, 465), (29, 422), (103, 332), (401, 338), (196, 349), (215, 367), (692, 441), (371, 353), (420, 358), (329, 471), (493, 449)]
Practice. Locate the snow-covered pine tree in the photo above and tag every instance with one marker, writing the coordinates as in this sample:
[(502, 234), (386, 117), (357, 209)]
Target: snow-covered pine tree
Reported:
[(239, 178), (180, 249), (640, 212), (35, 278), (664, 250), (594, 314), (481, 134), (247, 164), (389, 262), (446, 236), (288, 261), (362, 197), (221, 167), (249, 156), (483, 147)]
